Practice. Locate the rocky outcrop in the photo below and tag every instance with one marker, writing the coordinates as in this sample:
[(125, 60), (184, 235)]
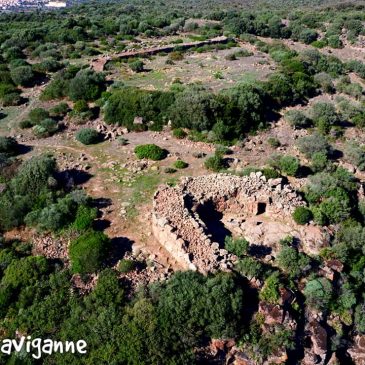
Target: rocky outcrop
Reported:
[(185, 216), (357, 352)]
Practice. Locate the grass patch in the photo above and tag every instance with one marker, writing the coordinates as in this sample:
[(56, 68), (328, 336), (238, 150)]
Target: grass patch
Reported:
[(143, 188)]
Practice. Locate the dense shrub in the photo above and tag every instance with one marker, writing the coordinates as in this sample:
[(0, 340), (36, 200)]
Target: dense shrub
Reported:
[(8, 145), (150, 151), (179, 133), (355, 155), (297, 119), (125, 266), (88, 136), (237, 246), (302, 215), (318, 293), (215, 163), (136, 66), (312, 144), (288, 165), (324, 116), (85, 217), (292, 261), (45, 128), (59, 110), (36, 115), (179, 164), (86, 85), (22, 75), (88, 251)]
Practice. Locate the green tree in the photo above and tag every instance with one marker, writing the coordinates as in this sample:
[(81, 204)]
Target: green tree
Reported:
[(318, 293)]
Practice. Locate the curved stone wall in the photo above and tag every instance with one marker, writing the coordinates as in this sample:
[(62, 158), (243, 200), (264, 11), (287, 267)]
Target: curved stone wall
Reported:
[(187, 217)]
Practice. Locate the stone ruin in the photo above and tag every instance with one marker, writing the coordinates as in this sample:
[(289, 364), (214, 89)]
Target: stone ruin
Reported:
[(192, 219)]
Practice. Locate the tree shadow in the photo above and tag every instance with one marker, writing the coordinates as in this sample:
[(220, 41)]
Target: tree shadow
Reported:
[(119, 246), (101, 224), (22, 149), (259, 251), (101, 203), (73, 177)]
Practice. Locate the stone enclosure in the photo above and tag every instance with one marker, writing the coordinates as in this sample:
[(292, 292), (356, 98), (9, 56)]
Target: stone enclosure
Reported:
[(192, 219)]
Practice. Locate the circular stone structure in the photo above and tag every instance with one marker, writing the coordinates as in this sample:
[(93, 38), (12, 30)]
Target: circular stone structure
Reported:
[(192, 219)]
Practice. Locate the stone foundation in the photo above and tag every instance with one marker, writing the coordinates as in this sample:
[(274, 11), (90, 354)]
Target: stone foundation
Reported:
[(188, 219)]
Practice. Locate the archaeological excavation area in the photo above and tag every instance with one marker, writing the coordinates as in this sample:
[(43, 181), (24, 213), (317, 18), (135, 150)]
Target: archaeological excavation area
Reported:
[(192, 219)]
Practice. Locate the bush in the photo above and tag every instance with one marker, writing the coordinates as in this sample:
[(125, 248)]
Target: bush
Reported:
[(324, 116), (319, 162), (270, 292), (150, 151), (8, 145), (287, 165), (22, 75), (86, 85), (312, 144), (302, 215), (273, 142), (26, 124), (59, 110), (88, 136), (249, 267), (179, 133), (237, 246), (170, 170), (215, 163), (325, 82), (334, 41), (355, 155), (88, 251), (37, 115), (80, 106), (179, 164), (297, 119), (125, 266), (292, 261), (176, 56), (136, 66), (45, 128), (85, 217)]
